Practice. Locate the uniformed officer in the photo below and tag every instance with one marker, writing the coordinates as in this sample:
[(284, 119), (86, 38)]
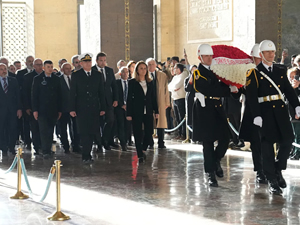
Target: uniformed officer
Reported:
[(46, 104), (87, 103), (249, 131), (264, 89), (209, 119)]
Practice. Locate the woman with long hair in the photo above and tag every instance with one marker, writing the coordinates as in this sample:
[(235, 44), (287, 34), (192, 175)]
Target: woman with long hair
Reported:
[(141, 104), (131, 65)]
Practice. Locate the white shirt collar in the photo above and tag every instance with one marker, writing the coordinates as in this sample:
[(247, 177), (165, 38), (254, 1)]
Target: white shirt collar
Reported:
[(267, 67), (99, 68), (206, 66)]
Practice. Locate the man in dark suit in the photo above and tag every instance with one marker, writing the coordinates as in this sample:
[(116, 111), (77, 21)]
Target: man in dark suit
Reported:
[(111, 98), (23, 123), (27, 106), (10, 109), (5, 61), (46, 104), (120, 110), (87, 103), (66, 120), (60, 63), (76, 63)]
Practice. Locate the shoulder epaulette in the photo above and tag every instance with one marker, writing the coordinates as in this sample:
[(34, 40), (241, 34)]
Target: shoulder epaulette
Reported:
[(250, 71)]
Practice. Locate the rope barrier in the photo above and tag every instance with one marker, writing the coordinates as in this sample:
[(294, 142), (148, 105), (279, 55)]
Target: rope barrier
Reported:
[(13, 165), (171, 130), (25, 175), (51, 174)]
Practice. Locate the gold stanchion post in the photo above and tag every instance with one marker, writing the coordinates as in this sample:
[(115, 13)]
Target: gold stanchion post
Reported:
[(187, 140), (58, 215), (19, 194)]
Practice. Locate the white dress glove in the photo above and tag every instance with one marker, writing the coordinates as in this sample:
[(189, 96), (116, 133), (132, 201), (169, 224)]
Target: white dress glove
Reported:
[(297, 110), (258, 121), (233, 89)]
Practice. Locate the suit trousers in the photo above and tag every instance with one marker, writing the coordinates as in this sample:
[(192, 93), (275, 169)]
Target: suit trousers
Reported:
[(179, 110), (24, 128), (160, 136), (35, 132), (137, 124), (86, 141), (8, 132), (255, 146), (121, 125), (270, 164), (212, 155), (109, 117), (46, 125), (67, 121)]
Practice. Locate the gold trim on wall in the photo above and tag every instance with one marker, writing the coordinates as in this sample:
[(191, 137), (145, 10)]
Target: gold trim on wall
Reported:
[(279, 32), (127, 31)]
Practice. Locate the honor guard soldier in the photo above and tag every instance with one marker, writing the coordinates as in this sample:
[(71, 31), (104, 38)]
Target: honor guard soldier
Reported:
[(209, 119), (249, 131), (265, 88)]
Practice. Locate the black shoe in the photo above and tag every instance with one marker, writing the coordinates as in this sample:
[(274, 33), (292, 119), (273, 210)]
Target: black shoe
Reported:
[(124, 148), (87, 161), (219, 170), (114, 145), (162, 146), (67, 151), (240, 144), (231, 145), (261, 178), (280, 179), (141, 160), (77, 150), (106, 146), (151, 147), (36, 152), (212, 181), (130, 143), (53, 142), (274, 187), (28, 146)]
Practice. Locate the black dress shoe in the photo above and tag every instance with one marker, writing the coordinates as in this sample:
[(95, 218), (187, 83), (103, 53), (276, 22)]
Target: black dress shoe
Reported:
[(114, 145), (87, 161), (162, 147), (219, 170), (124, 148), (67, 151), (130, 143), (261, 178), (151, 147), (212, 181), (280, 179), (36, 152), (274, 187), (141, 160), (28, 146)]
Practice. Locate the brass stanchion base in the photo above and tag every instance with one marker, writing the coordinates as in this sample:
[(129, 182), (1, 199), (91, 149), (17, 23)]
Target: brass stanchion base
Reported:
[(19, 195), (187, 141), (59, 216)]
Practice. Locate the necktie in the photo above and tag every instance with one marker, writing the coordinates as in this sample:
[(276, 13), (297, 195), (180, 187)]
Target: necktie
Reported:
[(103, 74), (270, 69), (5, 85), (69, 81), (125, 91), (89, 74)]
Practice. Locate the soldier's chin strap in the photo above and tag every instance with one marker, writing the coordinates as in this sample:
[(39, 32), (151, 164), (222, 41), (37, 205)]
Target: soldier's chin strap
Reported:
[(262, 54)]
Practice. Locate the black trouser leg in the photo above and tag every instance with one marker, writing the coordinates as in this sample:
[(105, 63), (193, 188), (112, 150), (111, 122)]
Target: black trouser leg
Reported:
[(209, 156), (35, 131), (46, 126), (121, 120), (74, 133), (181, 113), (128, 130), (26, 128), (221, 148), (148, 130), (87, 143), (177, 117), (255, 145), (12, 130), (161, 136), (64, 122), (268, 156), (138, 134), (109, 121), (283, 154)]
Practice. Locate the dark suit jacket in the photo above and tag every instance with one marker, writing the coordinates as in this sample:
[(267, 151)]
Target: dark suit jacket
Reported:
[(10, 74), (20, 77), (87, 100), (110, 86), (46, 95), (137, 99), (10, 102), (189, 98), (65, 92), (26, 90), (120, 92)]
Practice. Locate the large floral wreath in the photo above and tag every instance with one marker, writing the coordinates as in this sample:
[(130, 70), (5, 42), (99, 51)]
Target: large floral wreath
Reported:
[(230, 64)]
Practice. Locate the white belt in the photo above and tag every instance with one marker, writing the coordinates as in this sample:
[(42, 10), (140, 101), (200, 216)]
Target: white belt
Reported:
[(269, 98)]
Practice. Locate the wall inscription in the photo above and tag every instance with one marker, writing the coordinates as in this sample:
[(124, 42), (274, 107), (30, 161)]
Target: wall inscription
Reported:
[(209, 20)]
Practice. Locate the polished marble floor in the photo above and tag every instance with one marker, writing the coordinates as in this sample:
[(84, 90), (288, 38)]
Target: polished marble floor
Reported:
[(169, 188)]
